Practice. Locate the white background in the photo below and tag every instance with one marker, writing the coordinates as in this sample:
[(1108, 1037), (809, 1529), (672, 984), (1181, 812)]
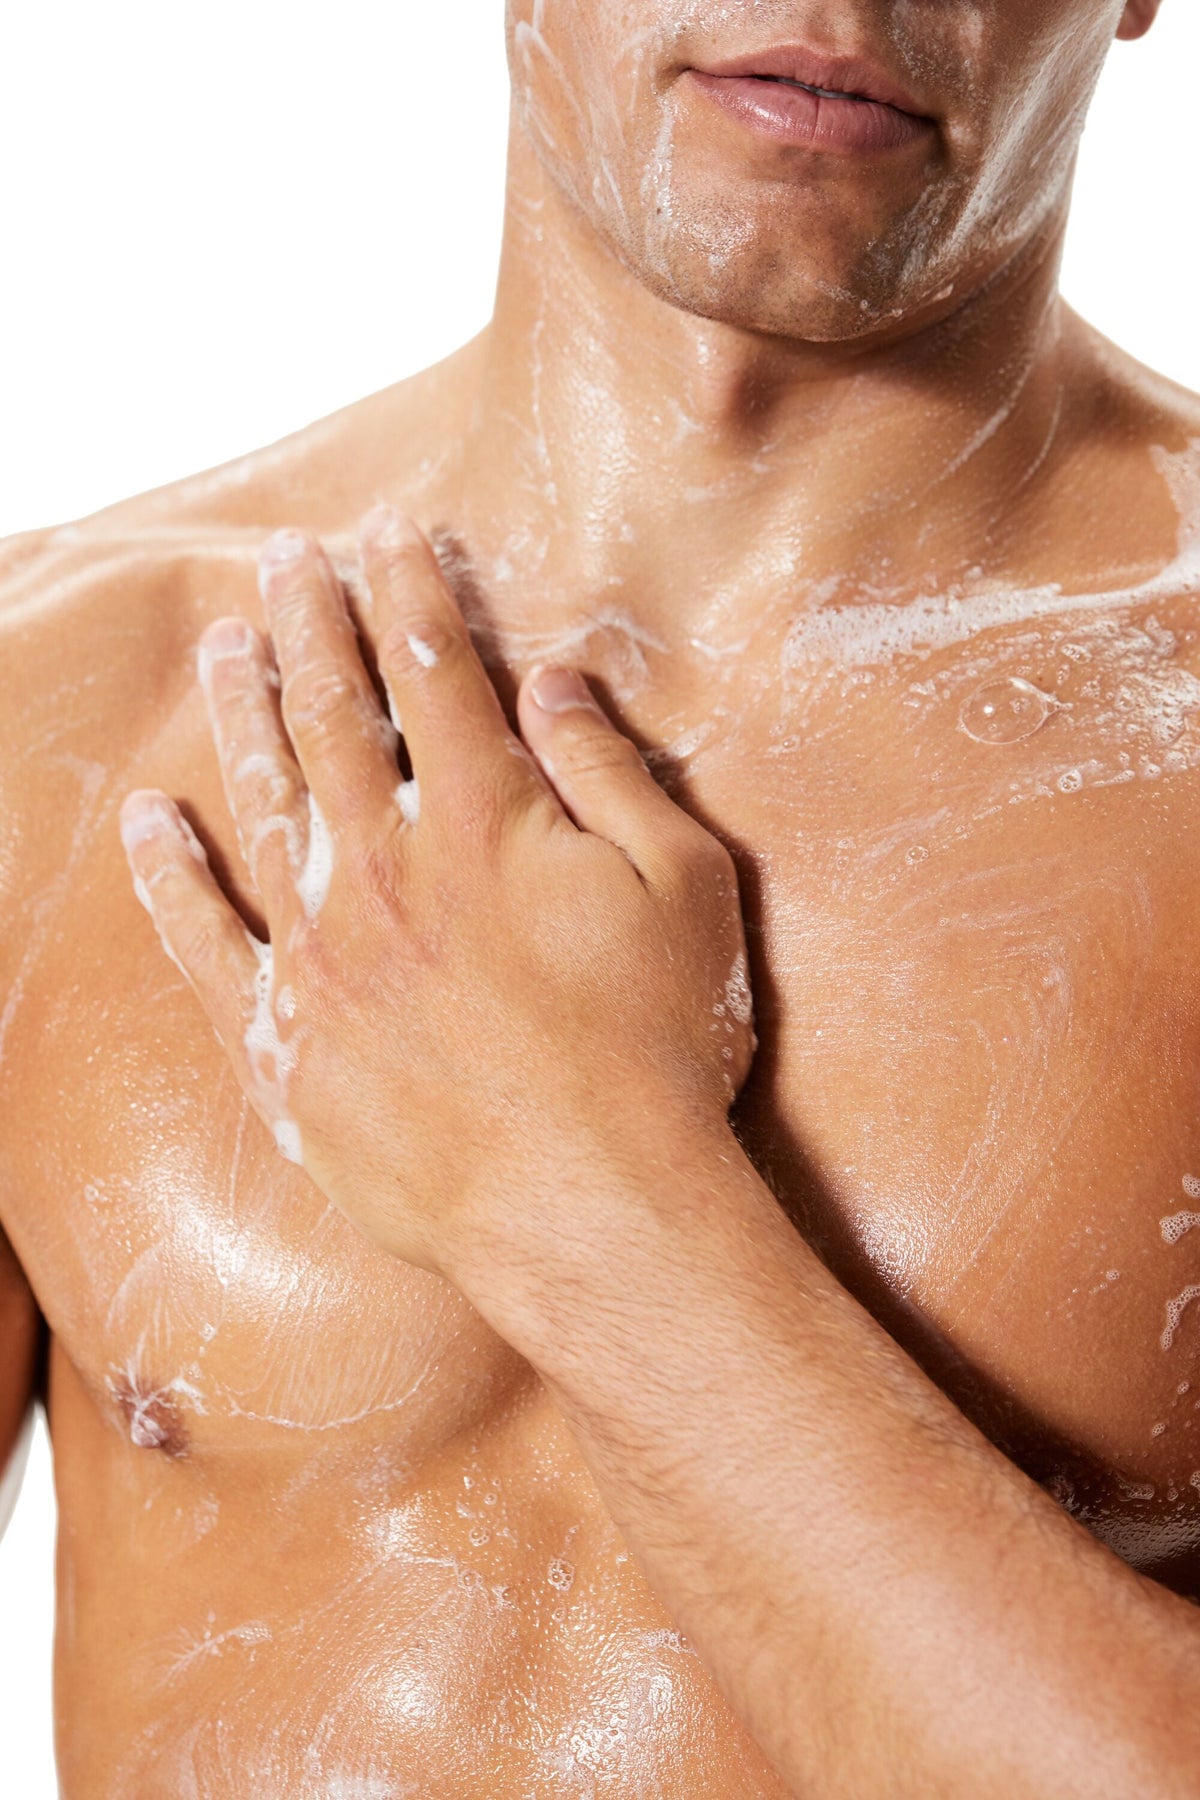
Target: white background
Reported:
[(222, 221)]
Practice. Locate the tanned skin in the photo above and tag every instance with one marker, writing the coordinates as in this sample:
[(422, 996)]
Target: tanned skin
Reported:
[(555, 1429)]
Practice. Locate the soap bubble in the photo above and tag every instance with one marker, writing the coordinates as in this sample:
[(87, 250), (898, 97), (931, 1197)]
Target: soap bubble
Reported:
[(1002, 712)]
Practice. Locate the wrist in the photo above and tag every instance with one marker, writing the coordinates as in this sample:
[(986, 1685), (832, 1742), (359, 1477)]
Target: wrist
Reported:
[(609, 1210)]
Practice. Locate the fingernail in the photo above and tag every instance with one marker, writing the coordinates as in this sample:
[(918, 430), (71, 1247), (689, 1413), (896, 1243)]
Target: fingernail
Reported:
[(144, 814), (559, 690), (283, 547), (225, 637), (389, 528)]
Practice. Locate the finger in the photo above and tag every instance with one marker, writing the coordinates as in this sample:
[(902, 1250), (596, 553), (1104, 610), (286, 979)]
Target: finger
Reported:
[(451, 715), (599, 774), (345, 746), (199, 930), (263, 784)]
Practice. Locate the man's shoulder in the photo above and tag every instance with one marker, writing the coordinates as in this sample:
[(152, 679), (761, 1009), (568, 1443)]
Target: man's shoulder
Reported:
[(1128, 407), (1122, 503), (99, 618)]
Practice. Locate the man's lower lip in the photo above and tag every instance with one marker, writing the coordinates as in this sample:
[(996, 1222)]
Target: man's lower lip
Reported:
[(796, 115)]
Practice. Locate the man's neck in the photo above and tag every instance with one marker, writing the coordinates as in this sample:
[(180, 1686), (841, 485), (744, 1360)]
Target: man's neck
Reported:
[(617, 446)]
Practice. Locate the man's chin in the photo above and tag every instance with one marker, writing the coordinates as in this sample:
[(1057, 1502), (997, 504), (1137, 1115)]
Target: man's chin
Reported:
[(824, 305), (821, 278)]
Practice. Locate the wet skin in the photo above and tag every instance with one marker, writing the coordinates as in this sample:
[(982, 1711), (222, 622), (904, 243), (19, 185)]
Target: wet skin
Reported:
[(319, 1523), (976, 1087)]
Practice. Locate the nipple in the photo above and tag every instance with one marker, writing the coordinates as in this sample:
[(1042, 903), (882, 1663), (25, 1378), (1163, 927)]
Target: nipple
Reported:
[(1002, 712), (152, 1415)]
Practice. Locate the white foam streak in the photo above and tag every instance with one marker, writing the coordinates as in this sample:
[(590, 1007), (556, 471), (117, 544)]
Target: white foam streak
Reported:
[(312, 884), (287, 1137), (271, 1060), (859, 637), (425, 653)]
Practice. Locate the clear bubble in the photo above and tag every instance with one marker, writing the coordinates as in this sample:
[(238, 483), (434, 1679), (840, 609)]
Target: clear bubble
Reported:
[(1070, 781), (1002, 712)]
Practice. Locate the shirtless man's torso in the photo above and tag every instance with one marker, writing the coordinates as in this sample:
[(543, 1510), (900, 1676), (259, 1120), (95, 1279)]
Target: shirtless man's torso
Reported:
[(322, 1533)]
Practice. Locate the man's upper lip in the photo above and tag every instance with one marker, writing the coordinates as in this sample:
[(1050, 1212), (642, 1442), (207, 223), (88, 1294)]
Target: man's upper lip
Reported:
[(854, 75)]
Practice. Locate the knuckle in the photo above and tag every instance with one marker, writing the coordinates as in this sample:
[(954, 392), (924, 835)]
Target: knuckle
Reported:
[(377, 885), (710, 858), (713, 856), (318, 697), (262, 783), (295, 597), (700, 862), (277, 842), (418, 644), (233, 702), (592, 750), (268, 796), (481, 817), (199, 940)]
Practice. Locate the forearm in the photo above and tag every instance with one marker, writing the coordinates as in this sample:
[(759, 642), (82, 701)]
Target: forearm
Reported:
[(890, 1605)]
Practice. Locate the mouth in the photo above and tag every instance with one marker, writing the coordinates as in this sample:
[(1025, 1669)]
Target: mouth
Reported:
[(832, 103)]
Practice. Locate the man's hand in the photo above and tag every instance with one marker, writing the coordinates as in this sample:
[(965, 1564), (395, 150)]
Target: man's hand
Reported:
[(479, 981)]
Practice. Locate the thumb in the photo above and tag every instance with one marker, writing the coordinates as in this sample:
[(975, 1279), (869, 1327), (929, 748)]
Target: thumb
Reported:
[(597, 772)]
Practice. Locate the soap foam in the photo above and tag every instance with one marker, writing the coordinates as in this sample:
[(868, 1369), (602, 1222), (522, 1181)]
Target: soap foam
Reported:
[(1177, 1225), (425, 653), (271, 1060), (876, 632), (1175, 1312), (312, 884), (408, 799), (737, 991)]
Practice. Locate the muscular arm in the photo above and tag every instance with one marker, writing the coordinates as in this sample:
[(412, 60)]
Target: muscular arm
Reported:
[(888, 1602)]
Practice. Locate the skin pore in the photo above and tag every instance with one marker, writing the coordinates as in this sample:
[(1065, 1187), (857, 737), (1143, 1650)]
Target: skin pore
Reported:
[(884, 560)]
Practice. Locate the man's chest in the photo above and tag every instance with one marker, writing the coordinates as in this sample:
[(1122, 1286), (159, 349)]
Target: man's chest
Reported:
[(976, 1090), (967, 882)]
